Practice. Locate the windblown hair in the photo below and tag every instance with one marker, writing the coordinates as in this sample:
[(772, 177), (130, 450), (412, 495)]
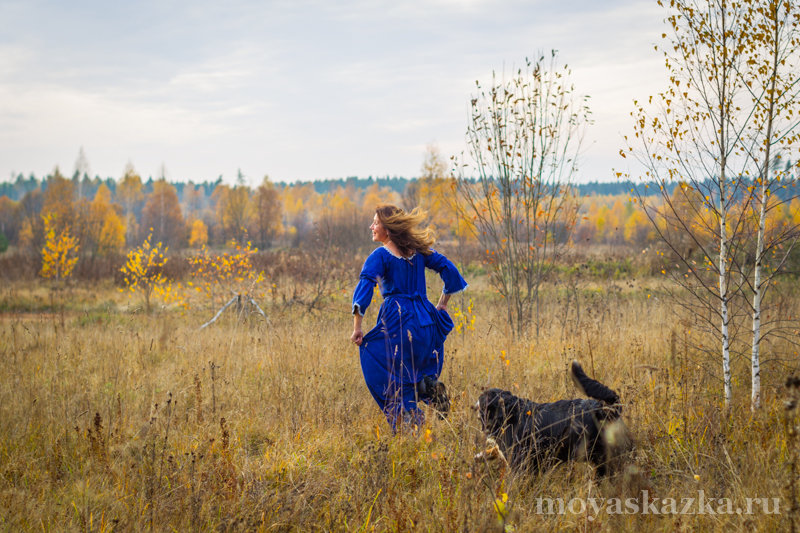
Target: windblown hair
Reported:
[(405, 229)]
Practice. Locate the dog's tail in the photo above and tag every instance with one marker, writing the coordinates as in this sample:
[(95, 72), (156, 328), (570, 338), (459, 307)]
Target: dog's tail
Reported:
[(593, 388), (615, 435)]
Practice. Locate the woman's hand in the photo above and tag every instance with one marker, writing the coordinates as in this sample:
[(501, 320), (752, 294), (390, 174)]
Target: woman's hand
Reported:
[(442, 304), (358, 336)]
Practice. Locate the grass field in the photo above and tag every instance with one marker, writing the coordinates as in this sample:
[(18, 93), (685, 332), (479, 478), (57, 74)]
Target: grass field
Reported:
[(118, 420)]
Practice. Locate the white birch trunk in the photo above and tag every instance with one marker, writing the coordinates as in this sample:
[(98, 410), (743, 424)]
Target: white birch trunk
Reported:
[(758, 291), (723, 294), (723, 221), (758, 284)]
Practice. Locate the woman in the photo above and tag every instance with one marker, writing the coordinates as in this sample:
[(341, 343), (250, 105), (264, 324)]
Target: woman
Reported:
[(402, 356)]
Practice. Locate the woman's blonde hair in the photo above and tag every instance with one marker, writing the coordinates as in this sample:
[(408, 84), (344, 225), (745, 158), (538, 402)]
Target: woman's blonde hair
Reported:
[(405, 229)]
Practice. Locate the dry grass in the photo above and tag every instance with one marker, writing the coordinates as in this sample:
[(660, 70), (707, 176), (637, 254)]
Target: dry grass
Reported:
[(114, 420)]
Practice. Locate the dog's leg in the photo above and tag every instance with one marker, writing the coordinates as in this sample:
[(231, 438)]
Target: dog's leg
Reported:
[(492, 452)]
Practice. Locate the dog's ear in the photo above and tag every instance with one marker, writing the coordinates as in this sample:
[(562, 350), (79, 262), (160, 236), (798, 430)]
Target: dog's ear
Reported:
[(491, 406), (503, 410), (511, 407)]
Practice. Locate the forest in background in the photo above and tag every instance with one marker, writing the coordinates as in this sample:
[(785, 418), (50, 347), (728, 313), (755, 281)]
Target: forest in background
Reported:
[(18, 187), (108, 217)]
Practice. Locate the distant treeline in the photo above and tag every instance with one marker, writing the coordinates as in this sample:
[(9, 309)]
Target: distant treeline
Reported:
[(86, 187)]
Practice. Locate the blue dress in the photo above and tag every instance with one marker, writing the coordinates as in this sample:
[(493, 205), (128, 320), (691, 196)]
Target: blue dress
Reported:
[(407, 342)]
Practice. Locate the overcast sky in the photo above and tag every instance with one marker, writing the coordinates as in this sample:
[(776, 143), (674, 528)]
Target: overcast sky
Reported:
[(296, 89)]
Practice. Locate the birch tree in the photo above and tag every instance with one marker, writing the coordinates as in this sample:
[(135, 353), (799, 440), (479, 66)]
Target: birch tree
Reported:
[(771, 76), (60, 251), (687, 139), (523, 141)]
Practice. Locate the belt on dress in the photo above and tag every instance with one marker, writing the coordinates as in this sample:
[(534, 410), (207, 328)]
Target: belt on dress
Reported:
[(418, 300)]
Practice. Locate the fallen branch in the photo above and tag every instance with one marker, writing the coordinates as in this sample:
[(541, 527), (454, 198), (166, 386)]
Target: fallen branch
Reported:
[(224, 307), (238, 298), (259, 309)]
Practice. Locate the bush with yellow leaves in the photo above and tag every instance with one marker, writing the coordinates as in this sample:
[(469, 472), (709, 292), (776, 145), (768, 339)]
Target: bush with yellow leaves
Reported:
[(143, 272), (60, 251), (218, 276)]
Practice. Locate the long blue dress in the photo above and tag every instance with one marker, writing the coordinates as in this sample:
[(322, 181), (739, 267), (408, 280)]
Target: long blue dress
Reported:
[(407, 342)]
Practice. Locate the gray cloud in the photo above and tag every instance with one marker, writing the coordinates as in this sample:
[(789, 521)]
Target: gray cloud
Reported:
[(295, 89)]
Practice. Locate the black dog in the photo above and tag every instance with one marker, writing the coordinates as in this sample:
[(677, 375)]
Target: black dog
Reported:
[(531, 436)]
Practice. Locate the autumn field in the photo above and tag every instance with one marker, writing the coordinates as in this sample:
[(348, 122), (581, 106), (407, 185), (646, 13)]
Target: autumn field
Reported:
[(116, 419)]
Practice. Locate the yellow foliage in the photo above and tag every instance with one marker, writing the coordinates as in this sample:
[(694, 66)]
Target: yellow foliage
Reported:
[(60, 252), (222, 274), (233, 210), (300, 200), (794, 212), (372, 198), (106, 231), (265, 218), (198, 236), (112, 234), (636, 226), (436, 195), (340, 203), (464, 320), (143, 270)]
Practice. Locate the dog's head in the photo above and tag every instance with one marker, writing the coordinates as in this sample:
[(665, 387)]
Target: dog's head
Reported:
[(497, 409)]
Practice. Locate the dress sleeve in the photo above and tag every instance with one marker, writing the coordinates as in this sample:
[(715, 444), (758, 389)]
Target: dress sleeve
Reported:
[(453, 282), (370, 272)]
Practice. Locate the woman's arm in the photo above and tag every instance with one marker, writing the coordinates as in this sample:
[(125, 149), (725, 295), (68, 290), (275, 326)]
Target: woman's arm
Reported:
[(358, 336), (362, 296), (453, 282)]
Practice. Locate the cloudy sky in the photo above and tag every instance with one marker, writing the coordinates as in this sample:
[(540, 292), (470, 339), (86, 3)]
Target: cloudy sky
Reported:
[(296, 89)]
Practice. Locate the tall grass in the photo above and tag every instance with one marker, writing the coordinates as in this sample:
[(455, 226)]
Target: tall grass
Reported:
[(121, 421)]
